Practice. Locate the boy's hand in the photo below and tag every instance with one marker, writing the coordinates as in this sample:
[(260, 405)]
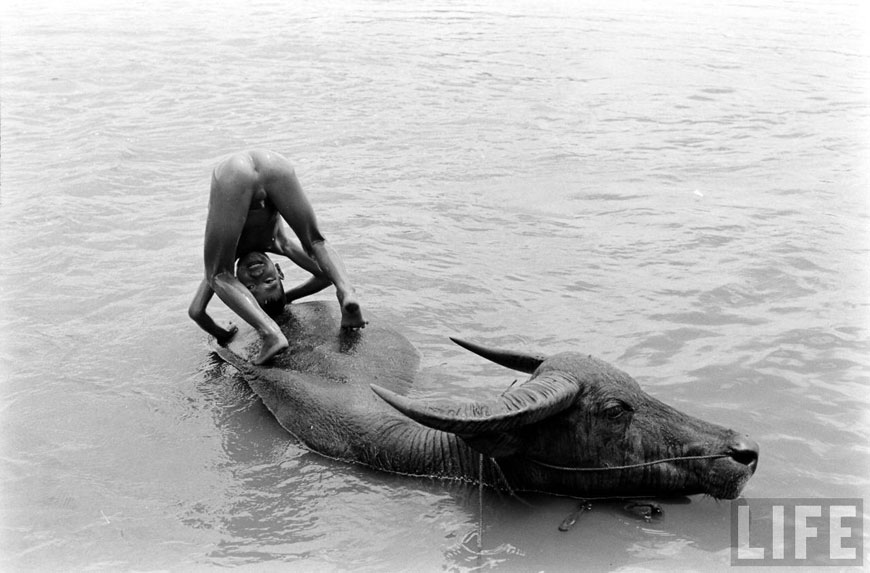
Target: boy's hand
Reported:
[(226, 334)]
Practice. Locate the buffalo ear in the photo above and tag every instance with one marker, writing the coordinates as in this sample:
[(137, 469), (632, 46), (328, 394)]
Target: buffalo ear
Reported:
[(531, 402)]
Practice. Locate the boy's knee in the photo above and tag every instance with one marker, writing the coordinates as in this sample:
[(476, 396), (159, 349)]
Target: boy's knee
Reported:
[(218, 275), (194, 313), (311, 242), (210, 279)]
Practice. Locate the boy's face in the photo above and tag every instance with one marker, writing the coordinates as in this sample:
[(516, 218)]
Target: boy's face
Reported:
[(261, 276)]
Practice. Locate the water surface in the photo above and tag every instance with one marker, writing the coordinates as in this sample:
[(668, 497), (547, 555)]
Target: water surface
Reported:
[(680, 190)]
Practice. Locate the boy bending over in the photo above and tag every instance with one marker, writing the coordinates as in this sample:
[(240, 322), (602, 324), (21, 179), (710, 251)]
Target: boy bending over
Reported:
[(254, 196)]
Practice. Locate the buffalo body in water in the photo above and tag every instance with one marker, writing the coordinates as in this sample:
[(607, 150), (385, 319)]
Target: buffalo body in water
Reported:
[(578, 426)]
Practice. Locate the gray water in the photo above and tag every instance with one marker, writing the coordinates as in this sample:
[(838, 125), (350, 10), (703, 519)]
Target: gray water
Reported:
[(679, 188)]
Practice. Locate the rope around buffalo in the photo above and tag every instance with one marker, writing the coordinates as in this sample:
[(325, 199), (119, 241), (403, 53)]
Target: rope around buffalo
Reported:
[(628, 467)]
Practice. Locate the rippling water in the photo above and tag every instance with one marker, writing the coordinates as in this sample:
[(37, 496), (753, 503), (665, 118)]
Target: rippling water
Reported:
[(681, 190)]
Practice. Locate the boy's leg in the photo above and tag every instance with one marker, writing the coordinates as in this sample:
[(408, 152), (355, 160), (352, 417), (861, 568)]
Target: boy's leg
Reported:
[(229, 202), (197, 312), (286, 194), (333, 267)]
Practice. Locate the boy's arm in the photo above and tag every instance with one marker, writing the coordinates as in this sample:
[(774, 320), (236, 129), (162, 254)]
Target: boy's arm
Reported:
[(196, 311), (311, 286), (318, 280), (284, 245)]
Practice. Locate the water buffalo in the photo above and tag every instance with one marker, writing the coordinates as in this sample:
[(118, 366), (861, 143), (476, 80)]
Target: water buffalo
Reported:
[(576, 427)]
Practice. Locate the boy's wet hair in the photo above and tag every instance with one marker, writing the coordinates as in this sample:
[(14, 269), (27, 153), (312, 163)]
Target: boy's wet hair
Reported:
[(274, 307)]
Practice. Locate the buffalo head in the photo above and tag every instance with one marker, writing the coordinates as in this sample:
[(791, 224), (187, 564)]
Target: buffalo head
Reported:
[(581, 427)]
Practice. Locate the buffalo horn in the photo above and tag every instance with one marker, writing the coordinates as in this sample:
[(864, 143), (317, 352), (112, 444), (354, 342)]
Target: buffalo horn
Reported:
[(532, 402), (527, 363)]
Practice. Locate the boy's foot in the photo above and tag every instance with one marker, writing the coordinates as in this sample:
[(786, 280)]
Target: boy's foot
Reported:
[(272, 345), (351, 315)]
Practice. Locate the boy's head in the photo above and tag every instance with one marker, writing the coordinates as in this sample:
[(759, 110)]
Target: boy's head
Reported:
[(263, 278)]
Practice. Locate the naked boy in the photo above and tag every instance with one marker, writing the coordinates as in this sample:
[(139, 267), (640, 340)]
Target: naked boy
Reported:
[(254, 196)]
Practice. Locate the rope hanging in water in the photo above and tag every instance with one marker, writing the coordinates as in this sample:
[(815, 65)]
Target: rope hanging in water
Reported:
[(480, 502)]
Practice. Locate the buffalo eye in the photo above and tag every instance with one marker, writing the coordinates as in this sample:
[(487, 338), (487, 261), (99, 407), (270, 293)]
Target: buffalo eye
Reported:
[(616, 410)]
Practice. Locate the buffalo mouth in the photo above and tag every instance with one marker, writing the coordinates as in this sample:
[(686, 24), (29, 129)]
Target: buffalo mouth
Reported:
[(727, 479), (727, 476)]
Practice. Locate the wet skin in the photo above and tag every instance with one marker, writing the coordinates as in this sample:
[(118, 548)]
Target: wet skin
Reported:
[(261, 276), (254, 203)]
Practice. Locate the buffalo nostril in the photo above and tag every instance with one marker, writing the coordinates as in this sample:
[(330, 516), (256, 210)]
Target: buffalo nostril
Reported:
[(745, 452)]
